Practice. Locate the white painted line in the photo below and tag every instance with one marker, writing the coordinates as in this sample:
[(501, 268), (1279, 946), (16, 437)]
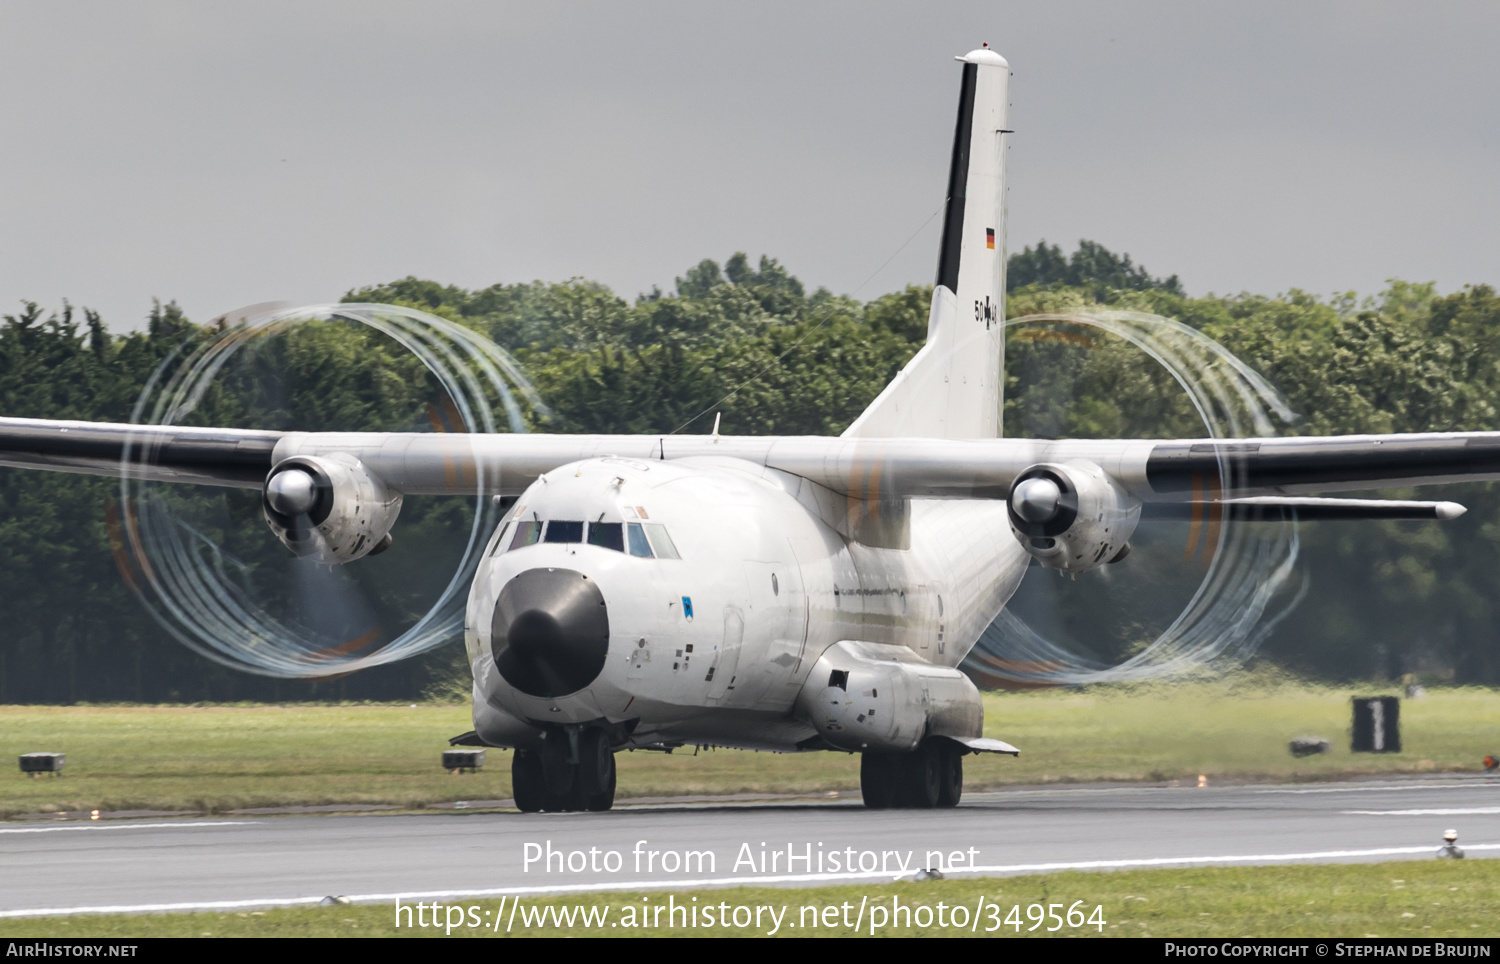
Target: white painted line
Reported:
[(1453, 785), (1452, 812), (709, 882), (159, 908), (1249, 859), (127, 826)]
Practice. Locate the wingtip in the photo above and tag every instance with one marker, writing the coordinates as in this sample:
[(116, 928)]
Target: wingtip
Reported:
[(1449, 510)]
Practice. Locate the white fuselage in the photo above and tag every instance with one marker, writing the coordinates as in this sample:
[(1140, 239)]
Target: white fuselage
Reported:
[(713, 647)]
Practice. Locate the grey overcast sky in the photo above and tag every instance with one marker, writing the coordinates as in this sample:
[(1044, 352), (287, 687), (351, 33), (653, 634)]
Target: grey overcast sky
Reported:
[(226, 154)]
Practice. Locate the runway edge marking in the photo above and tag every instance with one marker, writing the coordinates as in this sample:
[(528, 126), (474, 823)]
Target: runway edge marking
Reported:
[(128, 826)]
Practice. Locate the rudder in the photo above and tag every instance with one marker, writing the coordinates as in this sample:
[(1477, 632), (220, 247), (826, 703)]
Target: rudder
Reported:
[(953, 387)]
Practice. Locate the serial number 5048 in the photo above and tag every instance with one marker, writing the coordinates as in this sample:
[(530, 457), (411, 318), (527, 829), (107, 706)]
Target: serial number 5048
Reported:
[(1074, 917)]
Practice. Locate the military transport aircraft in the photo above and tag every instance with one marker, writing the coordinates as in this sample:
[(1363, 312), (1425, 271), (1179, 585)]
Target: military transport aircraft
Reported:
[(779, 593)]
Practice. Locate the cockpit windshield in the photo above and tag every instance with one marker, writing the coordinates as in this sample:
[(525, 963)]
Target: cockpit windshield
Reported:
[(527, 533), (608, 535), (645, 540), (564, 532), (638, 544)]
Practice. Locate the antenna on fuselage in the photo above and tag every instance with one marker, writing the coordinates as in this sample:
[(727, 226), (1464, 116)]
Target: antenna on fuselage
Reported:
[(716, 425)]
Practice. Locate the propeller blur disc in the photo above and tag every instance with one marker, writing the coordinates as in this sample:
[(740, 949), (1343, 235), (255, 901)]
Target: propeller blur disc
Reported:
[(204, 562), (1243, 565)]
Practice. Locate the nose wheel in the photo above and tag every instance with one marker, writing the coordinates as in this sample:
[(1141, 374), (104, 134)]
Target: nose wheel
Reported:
[(930, 776), (569, 772)]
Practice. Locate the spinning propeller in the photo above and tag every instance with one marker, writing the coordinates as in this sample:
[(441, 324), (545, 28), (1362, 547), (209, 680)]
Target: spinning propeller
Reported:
[(1200, 579), (200, 558)]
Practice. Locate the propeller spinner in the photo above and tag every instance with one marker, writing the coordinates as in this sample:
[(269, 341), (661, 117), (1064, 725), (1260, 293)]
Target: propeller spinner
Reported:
[(1036, 500), (292, 492)]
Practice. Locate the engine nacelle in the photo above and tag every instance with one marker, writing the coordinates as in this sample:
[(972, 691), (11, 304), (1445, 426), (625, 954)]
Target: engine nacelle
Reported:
[(1072, 516), (329, 507), (876, 696)]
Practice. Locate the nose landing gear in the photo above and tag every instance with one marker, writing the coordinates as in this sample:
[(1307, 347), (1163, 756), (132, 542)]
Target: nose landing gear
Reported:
[(930, 776), (573, 770)]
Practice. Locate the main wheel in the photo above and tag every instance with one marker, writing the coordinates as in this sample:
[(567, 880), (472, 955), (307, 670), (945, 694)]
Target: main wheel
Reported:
[(596, 763), (605, 798), (557, 767), (528, 785), (878, 776), (951, 784), (921, 776), (570, 802)]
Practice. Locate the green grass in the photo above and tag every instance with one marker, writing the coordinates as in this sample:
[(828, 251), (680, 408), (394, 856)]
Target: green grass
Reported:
[(218, 758), (1405, 899)]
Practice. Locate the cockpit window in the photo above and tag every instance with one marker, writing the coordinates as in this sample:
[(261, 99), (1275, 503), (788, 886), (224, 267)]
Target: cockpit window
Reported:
[(607, 534), (660, 541), (644, 540), (497, 544), (564, 532), (527, 533), (638, 544)]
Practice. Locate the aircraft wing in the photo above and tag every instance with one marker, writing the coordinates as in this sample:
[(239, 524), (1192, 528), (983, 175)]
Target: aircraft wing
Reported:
[(876, 469), (1152, 471), (205, 456)]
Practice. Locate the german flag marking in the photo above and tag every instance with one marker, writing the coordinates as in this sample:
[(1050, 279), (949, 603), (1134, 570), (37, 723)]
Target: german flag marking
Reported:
[(989, 238)]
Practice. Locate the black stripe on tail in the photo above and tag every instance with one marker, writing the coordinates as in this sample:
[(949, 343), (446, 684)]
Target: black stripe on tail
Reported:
[(958, 183)]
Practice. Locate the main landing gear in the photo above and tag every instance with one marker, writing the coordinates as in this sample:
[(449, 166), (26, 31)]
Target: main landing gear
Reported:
[(932, 775), (573, 770)]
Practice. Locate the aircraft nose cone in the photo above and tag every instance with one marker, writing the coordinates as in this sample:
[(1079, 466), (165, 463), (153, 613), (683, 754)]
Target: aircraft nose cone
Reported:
[(1036, 500), (550, 632)]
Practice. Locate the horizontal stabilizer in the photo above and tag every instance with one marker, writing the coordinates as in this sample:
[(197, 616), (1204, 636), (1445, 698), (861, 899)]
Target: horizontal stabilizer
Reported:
[(983, 744), (1277, 508)]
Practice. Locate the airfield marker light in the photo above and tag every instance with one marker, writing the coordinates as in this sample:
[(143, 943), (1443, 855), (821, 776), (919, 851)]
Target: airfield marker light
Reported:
[(1202, 781), (93, 814), (1450, 849), (461, 760), (1491, 764), (1309, 746), (36, 764)]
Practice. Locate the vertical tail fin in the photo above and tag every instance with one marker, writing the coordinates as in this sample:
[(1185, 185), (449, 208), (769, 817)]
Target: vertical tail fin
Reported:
[(953, 387)]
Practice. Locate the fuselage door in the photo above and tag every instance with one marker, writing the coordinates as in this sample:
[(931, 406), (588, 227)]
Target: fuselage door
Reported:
[(775, 631), (722, 671)]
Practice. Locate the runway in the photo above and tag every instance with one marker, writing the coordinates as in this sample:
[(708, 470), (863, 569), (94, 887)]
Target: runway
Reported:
[(184, 863)]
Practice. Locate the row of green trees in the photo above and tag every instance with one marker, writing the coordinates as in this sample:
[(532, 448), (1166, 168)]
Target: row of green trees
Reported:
[(747, 339)]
